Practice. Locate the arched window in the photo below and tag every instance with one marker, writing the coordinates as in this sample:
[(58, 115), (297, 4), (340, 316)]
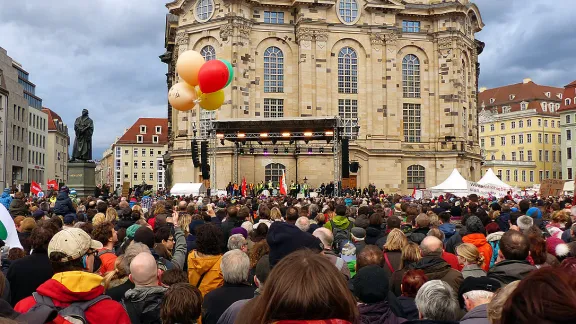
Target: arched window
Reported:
[(273, 171), (208, 53), (416, 176), (411, 76), (273, 70), (204, 10), (503, 157), (567, 102), (348, 10), (347, 71)]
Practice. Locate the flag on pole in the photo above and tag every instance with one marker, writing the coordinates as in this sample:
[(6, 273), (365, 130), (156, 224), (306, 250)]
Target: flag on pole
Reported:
[(283, 187), (53, 184), (244, 186), (414, 193), (35, 188), (8, 232)]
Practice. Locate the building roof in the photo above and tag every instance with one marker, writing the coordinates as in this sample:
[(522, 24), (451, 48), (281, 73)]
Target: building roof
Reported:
[(131, 135), (51, 117), (569, 97), (514, 95)]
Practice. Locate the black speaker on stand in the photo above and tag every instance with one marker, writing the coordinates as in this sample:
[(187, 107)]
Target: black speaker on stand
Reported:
[(345, 159), (205, 167), (354, 166), (26, 188), (195, 159)]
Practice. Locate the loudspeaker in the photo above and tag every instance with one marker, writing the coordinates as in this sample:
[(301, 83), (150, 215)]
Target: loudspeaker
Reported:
[(354, 166), (345, 159), (26, 188), (195, 159), (204, 159)]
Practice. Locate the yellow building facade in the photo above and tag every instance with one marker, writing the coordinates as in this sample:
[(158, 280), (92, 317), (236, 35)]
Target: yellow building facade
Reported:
[(404, 72)]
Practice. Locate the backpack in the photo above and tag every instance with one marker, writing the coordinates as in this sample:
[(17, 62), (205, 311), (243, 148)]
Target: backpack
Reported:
[(341, 236), (74, 313)]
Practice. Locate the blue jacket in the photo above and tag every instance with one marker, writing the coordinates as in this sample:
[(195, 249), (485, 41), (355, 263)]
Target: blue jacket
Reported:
[(6, 199), (448, 230), (63, 205), (502, 221)]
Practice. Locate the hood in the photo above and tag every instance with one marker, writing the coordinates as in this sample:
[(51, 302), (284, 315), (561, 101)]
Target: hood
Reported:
[(508, 271), (372, 231), (494, 236), (479, 312), (376, 313), (477, 239), (434, 266), (448, 229), (341, 221), (5, 194), (62, 195), (139, 294), (203, 264), (71, 286)]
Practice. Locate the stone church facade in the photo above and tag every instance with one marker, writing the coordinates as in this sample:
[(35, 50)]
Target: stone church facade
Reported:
[(405, 72)]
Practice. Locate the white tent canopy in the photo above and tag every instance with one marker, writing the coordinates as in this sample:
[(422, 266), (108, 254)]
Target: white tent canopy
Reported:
[(455, 184), (490, 178), (188, 189), (569, 186)]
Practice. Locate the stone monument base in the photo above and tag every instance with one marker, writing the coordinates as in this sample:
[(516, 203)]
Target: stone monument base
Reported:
[(82, 178)]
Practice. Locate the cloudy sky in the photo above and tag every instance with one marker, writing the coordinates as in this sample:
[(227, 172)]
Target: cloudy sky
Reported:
[(103, 55)]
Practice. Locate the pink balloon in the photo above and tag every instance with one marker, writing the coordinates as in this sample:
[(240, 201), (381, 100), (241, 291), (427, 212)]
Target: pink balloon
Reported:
[(213, 76)]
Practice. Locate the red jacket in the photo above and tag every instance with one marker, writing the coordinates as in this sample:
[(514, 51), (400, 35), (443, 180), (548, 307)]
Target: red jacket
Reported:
[(67, 287), (451, 259)]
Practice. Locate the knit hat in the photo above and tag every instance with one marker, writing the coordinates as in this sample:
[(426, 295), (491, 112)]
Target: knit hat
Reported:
[(474, 225), (131, 230), (480, 283), (534, 213), (358, 232), (284, 238), (557, 247), (239, 230), (524, 222), (371, 284), (362, 221), (492, 228), (39, 213), (195, 223), (69, 219), (144, 235)]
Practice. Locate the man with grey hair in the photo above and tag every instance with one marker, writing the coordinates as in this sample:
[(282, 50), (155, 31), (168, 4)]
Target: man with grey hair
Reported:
[(475, 294), (524, 223), (237, 242), (235, 266), (434, 266), (303, 223), (437, 303)]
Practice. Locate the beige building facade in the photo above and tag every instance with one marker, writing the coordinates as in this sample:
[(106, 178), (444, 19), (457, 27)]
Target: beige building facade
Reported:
[(404, 72), (105, 168), (57, 147)]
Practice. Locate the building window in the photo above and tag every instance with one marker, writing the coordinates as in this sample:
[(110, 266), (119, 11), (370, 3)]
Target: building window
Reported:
[(206, 118), (545, 122), (513, 125), (540, 152), (151, 164), (348, 11), (499, 174), (546, 156), (416, 176), (143, 152), (568, 117), (204, 10), (135, 175), (142, 129), (521, 124), (482, 129), (151, 152), (118, 152), (531, 176), (523, 175), (520, 139), (208, 53), (540, 138), (482, 142), (143, 164), (529, 138), (568, 135), (491, 127), (410, 26), (492, 141), (553, 138), (523, 106), (529, 155), (503, 140), (547, 174), (273, 17), (553, 156), (273, 70), (503, 157), (502, 126), (348, 111), (143, 176), (539, 122), (569, 173), (135, 152), (513, 156), (522, 155), (273, 108), (158, 129), (151, 177), (412, 123), (135, 164), (155, 139), (569, 153), (126, 152), (546, 138), (139, 139), (347, 70), (493, 157), (273, 171), (529, 123), (508, 175), (411, 76), (516, 175), (513, 139)]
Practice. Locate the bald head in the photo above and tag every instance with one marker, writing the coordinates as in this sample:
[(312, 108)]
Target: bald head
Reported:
[(143, 270), (431, 244), (325, 236), (182, 205)]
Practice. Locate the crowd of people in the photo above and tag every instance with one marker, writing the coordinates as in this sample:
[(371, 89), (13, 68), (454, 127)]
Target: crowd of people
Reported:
[(364, 258)]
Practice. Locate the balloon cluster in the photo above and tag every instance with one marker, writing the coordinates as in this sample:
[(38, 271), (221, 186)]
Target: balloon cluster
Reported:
[(211, 78)]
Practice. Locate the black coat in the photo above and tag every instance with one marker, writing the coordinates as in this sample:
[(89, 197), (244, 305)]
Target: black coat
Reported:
[(373, 233), (218, 300), (143, 304), (117, 293), (63, 205), (18, 208), (378, 313), (227, 227), (409, 306), (26, 274)]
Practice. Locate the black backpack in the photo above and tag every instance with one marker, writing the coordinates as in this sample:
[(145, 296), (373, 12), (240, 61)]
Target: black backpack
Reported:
[(74, 313), (341, 236)]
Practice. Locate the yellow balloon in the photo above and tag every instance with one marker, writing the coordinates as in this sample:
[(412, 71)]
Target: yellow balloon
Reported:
[(188, 66), (182, 96), (212, 101)]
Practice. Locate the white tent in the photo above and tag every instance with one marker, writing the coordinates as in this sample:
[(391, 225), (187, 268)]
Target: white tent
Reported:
[(490, 178), (569, 186), (455, 184), (188, 189)]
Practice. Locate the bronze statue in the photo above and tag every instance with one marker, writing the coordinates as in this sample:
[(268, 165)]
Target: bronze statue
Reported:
[(84, 128)]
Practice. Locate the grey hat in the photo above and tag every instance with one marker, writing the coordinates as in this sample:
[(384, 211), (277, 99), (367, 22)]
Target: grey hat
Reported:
[(358, 232), (362, 221), (474, 225), (524, 222)]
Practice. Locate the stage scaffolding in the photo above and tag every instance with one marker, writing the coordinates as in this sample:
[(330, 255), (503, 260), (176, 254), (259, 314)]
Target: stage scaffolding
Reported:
[(300, 132)]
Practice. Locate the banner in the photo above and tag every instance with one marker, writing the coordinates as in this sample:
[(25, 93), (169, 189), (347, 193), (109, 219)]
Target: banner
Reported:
[(35, 188), (487, 190)]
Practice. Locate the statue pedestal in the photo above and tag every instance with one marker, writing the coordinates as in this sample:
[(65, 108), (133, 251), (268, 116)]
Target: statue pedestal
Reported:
[(82, 178)]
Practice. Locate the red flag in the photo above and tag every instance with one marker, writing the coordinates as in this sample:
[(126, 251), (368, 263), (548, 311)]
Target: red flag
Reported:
[(283, 187), (53, 184), (35, 188), (244, 186), (414, 193)]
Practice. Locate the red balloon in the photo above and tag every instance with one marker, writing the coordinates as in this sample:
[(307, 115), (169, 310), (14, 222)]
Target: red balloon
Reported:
[(213, 76)]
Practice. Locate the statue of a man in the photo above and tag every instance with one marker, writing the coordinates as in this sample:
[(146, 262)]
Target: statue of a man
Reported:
[(84, 128)]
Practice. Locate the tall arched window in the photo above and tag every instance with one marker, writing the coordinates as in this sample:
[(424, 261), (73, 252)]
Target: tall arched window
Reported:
[(208, 53), (273, 70), (411, 76), (273, 171), (416, 176), (347, 71), (503, 157)]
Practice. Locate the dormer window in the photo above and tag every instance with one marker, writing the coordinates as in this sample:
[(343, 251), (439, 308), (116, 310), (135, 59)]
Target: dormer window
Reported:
[(544, 106), (523, 106), (567, 102), (142, 129), (559, 96), (492, 100), (155, 139), (547, 94), (158, 129), (512, 97), (139, 139)]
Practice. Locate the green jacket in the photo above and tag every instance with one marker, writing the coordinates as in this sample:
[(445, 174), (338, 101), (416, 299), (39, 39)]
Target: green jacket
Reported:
[(341, 222)]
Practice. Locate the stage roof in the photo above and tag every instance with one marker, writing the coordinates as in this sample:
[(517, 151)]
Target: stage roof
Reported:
[(275, 125)]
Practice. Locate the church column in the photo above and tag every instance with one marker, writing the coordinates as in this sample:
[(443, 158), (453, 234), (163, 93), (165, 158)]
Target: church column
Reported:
[(306, 69), (376, 125), (393, 90), (321, 104)]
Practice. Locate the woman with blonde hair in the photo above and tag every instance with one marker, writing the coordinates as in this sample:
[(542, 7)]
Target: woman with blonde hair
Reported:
[(184, 222), (275, 214), (319, 294), (395, 242), (410, 254), (470, 258), (111, 215)]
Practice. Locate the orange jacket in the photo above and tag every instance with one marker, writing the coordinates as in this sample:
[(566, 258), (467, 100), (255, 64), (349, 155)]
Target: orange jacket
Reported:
[(209, 266), (479, 240)]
